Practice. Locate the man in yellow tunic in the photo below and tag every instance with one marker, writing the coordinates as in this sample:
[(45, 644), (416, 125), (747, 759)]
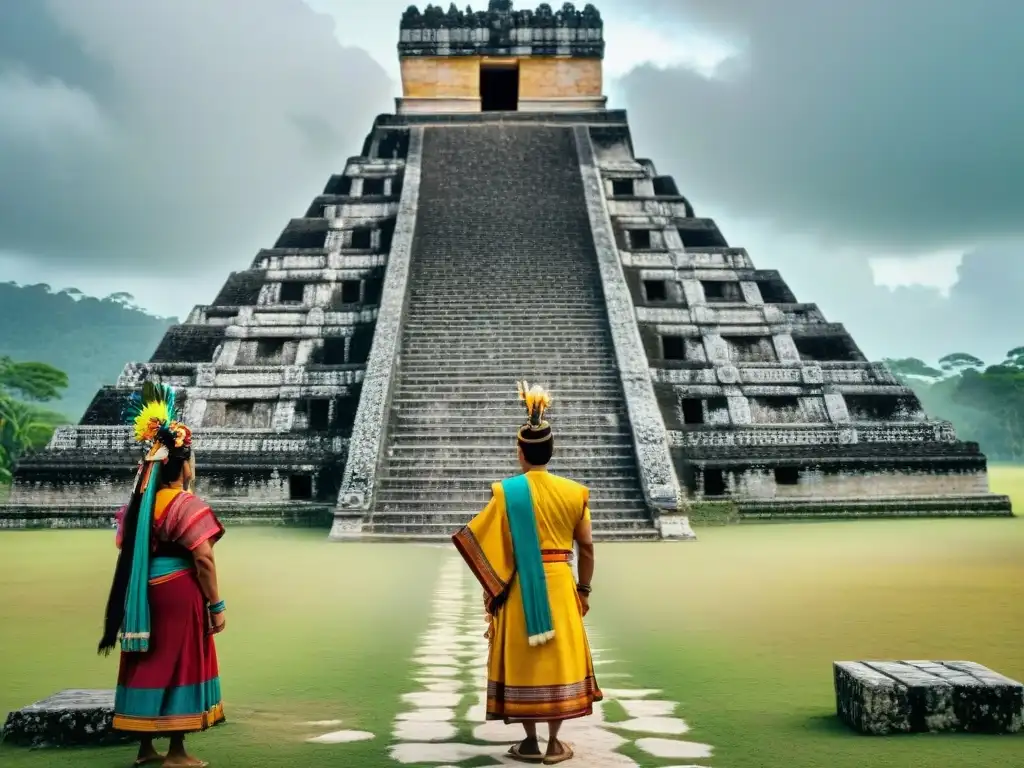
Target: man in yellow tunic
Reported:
[(519, 548)]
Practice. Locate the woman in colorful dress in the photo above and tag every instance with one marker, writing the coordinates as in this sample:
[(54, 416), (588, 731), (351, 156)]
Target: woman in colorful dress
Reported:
[(520, 549), (164, 605)]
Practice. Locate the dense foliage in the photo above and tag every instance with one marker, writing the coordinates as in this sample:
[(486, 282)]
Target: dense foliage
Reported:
[(89, 338), (984, 403), (25, 425)]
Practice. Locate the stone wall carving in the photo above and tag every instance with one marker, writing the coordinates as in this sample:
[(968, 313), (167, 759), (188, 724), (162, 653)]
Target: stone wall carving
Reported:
[(658, 478), (369, 431), (502, 31)]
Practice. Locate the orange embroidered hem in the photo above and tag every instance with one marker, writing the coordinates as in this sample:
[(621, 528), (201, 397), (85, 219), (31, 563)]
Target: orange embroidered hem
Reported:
[(171, 723), (553, 702)]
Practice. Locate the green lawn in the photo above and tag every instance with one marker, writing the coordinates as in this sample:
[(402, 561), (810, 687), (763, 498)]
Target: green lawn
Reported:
[(317, 631), (740, 627)]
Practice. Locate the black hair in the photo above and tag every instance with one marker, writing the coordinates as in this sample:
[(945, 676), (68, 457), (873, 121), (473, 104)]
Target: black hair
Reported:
[(538, 454), (165, 472)]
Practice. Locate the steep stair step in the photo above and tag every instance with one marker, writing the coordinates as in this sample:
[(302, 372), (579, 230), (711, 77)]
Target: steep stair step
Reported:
[(495, 381), (610, 390), (486, 454), (472, 505), (452, 370), (623, 491), (605, 467), (441, 536), (478, 441)]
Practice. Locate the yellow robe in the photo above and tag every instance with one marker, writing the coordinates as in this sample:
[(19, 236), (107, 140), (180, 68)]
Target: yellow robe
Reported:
[(553, 681)]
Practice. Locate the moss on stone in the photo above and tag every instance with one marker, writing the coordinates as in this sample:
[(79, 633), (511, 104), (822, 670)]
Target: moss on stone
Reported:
[(713, 513)]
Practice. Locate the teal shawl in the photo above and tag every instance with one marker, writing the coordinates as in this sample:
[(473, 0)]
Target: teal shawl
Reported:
[(529, 562), (135, 629)]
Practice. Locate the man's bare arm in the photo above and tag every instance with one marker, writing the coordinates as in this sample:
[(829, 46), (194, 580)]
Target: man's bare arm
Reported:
[(584, 538)]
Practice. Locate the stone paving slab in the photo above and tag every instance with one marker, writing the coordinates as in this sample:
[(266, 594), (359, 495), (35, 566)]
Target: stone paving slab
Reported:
[(885, 697)]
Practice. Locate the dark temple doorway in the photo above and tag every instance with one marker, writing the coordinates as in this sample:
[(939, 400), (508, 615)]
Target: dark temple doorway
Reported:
[(499, 87)]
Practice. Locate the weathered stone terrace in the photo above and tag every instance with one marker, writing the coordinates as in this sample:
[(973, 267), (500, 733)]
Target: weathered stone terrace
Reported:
[(760, 393)]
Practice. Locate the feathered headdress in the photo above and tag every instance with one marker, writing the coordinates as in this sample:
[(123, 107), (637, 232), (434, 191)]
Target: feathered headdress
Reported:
[(537, 400), (154, 419)]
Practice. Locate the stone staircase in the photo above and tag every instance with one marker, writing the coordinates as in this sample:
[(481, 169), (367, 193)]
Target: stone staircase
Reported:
[(504, 285)]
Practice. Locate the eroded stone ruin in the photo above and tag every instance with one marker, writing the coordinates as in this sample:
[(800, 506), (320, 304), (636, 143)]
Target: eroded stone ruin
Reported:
[(498, 226)]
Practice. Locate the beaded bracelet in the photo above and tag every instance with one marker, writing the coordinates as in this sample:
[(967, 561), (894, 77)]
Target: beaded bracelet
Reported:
[(218, 607), (583, 589)]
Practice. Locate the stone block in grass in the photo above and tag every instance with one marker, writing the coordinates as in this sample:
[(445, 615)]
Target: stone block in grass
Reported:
[(68, 718), (887, 697)]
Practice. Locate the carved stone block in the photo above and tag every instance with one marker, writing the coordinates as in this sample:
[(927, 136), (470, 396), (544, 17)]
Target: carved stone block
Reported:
[(716, 349), (727, 374), (751, 293), (739, 410), (812, 375), (786, 349)]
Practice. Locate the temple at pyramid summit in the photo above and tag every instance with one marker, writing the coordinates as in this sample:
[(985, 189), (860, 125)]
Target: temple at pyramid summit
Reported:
[(361, 373)]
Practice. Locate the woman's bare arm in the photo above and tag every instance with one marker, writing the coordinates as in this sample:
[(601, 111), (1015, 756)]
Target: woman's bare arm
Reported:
[(206, 571)]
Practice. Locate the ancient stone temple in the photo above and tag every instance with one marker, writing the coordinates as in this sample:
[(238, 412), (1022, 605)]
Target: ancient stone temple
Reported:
[(499, 227)]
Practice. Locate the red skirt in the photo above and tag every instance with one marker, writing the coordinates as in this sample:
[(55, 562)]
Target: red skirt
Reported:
[(174, 687)]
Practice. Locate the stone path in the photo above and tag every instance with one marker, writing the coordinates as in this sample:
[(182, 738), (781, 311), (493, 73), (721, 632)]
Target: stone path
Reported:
[(443, 724)]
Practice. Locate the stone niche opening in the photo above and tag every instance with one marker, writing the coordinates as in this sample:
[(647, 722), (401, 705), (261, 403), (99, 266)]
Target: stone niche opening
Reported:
[(639, 239), (362, 238), (348, 292), (499, 86), (721, 291), (622, 187), (393, 145), (373, 187), (332, 352), (300, 487), (882, 407), (673, 347), (360, 344), (714, 482), (693, 410), (750, 349), (697, 411), (824, 349), (373, 290), (656, 290), (317, 413), (292, 292), (787, 475)]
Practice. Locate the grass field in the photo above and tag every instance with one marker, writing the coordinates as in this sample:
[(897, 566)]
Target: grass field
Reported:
[(740, 628)]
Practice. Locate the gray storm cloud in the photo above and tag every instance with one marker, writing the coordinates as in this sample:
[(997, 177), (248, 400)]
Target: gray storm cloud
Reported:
[(156, 135), (887, 124), (850, 130)]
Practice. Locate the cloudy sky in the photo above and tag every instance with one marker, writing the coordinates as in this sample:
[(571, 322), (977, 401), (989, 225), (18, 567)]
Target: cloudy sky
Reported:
[(872, 151)]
